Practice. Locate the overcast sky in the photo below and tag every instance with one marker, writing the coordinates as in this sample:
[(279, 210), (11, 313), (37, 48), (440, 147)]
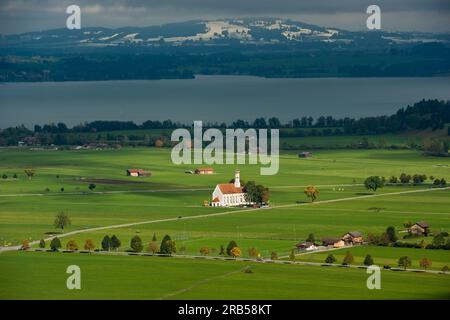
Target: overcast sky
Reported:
[(18, 16)]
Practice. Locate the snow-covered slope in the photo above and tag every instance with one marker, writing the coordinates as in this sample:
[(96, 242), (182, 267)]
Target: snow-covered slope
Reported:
[(259, 31)]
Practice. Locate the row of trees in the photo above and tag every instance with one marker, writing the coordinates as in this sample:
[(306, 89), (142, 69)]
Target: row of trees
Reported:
[(385, 239), (232, 250), (416, 179), (426, 114), (166, 246), (421, 115), (403, 262), (375, 182)]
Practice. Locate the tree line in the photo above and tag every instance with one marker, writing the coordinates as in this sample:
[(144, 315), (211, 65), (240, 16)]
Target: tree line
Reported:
[(425, 114)]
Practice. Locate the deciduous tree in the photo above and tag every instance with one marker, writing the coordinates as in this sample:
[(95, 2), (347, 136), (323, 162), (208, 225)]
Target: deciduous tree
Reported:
[(391, 233), (153, 247), (425, 263), (273, 255), (25, 244), (404, 262), (348, 258), (368, 260), (230, 246), (136, 244), (330, 259), (55, 244), (311, 192), (71, 245), (292, 256), (62, 220), (89, 245), (311, 238), (30, 173), (171, 247), (235, 252), (374, 182), (253, 252)]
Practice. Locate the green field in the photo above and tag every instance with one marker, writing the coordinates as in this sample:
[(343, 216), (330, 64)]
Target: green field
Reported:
[(170, 202), (114, 277)]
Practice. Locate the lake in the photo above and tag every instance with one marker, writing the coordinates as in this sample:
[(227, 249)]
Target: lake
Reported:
[(211, 98)]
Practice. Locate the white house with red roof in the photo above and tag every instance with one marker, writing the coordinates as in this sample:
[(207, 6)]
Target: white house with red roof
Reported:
[(229, 194)]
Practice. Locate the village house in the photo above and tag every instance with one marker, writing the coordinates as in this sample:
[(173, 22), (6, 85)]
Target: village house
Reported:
[(352, 238), (229, 194), (305, 154), (138, 173), (333, 242), (420, 228), (204, 171), (28, 141), (307, 246)]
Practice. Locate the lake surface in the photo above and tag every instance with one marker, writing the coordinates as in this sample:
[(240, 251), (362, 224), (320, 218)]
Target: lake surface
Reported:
[(211, 98)]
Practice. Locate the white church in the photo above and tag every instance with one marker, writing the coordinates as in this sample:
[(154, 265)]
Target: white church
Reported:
[(229, 194)]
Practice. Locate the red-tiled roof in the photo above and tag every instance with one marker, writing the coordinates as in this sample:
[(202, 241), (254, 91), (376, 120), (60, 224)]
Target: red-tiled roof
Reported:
[(228, 188), (136, 170), (205, 169)]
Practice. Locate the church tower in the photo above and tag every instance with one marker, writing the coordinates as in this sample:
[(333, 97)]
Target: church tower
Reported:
[(237, 179)]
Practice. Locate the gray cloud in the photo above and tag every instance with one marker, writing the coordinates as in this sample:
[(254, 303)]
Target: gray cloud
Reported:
[(421, 15)]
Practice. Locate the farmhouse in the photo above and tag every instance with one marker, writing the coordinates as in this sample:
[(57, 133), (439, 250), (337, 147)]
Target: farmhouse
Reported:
[(305, 154), (28, 141), (420, 228), (308, 246), (229, 194), (333, 242), (352, 238), (138, 173), (204, 171)]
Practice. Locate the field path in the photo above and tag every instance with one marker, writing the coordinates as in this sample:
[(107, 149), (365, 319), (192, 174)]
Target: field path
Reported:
[(80, 193), (125, 225)]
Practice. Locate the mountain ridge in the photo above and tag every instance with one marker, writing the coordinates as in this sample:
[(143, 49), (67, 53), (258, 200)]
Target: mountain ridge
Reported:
[(219, 32)]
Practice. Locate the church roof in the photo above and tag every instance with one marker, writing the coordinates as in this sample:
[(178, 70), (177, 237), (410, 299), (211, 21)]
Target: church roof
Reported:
[(229, 188)]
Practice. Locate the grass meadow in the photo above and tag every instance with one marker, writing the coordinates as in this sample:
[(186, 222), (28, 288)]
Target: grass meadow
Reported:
[(28, 208)]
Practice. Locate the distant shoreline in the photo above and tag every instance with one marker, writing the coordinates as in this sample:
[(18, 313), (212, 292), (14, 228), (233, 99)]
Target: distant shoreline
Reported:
[(225, 76)]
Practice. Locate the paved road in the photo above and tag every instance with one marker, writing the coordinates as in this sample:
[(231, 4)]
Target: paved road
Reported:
[(315, 251), (125, 225)]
